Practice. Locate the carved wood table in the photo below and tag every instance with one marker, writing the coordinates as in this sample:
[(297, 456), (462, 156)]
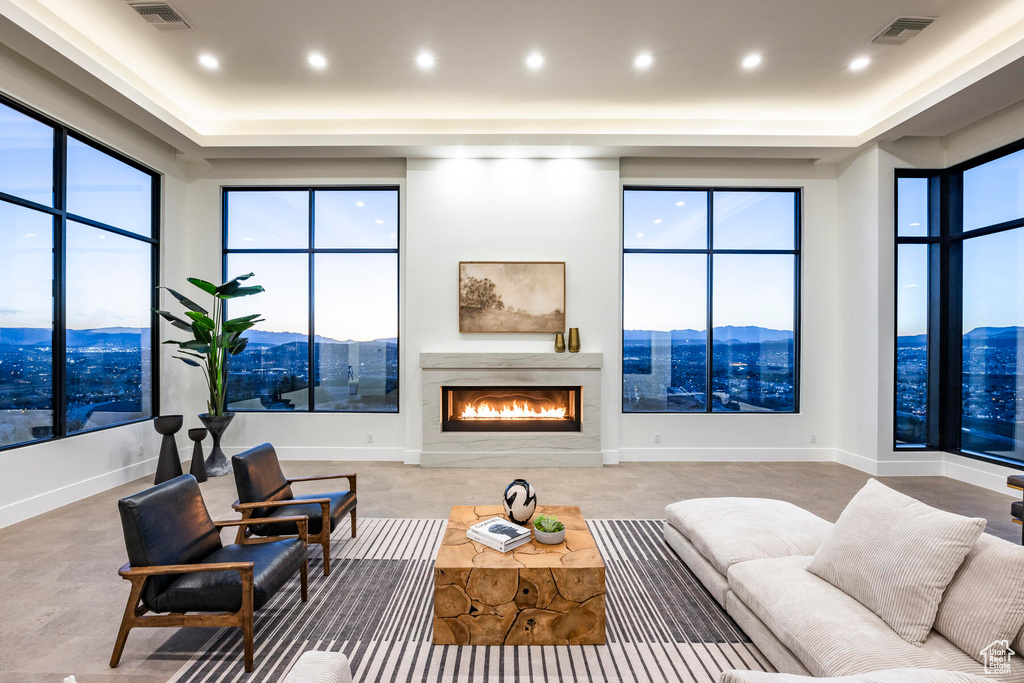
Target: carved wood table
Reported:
[(535, 594)]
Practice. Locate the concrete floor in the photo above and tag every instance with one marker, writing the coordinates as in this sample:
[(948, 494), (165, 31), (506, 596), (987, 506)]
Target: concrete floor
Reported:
[(62, 599)]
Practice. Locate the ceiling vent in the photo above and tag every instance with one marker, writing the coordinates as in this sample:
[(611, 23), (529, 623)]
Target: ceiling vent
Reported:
[(901, 30), (161, 15)]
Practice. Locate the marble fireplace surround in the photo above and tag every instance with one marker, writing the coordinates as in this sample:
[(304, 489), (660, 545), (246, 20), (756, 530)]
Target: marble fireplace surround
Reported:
[(511, 449)]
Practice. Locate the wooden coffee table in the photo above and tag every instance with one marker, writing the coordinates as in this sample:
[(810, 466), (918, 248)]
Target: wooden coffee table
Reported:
[(535, 594)]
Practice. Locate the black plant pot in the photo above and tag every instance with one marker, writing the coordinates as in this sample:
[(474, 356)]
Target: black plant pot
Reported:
[(168, 466), (217, 464), (198, 469)]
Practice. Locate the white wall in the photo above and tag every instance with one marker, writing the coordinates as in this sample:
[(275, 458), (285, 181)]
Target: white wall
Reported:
[(43, 476), (757, 436), (511, 210)]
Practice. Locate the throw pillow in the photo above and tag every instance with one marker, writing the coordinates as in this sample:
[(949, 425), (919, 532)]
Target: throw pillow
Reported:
[(895, 555), (985, 600)]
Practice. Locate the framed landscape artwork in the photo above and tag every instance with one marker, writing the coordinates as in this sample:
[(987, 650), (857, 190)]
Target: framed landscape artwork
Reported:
[(512, 296)]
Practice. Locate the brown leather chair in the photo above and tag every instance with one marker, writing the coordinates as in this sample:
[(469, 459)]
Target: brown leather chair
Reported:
[(177, 565), (264, 491)]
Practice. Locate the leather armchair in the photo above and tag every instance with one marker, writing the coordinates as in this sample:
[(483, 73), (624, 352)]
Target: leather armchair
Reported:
[(177, 564), (264, 492)]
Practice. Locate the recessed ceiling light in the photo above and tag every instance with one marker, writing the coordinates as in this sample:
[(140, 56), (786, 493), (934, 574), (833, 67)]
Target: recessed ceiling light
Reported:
[(639, 235), (317, 60), (657, 220), (860, 63), (360, 204), (30, 234), (208, 61), (392, 235), (535, 60), (914, 225), (643, 61), (680, 203), (425, 60), (380, 221), (752, 61)]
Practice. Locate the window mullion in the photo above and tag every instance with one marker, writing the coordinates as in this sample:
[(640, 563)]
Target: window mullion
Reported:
[(311, 372), (59, 347), (710, 348)]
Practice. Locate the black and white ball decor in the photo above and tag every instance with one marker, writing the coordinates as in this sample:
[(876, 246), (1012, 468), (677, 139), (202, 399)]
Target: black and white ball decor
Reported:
[(520, 501)]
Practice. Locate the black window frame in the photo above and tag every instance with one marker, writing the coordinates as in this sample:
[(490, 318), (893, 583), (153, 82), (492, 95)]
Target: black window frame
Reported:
[(61, 216), (311, 250), (945, 302), (710, 252)]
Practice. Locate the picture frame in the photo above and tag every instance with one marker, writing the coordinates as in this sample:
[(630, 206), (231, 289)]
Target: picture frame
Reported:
[(512, 297)]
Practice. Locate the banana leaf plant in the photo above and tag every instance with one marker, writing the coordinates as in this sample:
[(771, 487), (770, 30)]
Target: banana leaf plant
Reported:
[(214, 339)]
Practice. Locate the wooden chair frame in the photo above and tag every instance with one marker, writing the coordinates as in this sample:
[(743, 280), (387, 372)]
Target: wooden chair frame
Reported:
[(134, 611), (323, 537)]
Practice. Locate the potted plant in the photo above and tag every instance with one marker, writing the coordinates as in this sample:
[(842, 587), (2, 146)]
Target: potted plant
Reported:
[(214, 341), (548, 530)]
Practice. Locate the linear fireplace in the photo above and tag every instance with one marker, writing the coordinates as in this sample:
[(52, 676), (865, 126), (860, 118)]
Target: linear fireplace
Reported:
[(511, 409)]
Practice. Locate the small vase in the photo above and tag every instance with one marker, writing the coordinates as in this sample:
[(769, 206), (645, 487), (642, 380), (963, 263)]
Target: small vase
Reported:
[(217, 464), (574, 340), (519, 501), (168, 466), (198, 469), (559, 343)]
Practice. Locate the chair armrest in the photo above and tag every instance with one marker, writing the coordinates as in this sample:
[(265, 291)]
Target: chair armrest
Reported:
[(277, 503), (300, 520), (321, 477), (128, 571), (1015, 481)]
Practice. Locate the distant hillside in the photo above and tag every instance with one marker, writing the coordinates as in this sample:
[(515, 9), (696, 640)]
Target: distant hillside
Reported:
[(999, 335), (727, 334)]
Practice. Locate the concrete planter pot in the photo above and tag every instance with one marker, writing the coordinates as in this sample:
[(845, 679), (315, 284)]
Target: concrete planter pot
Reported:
[(549, 537)]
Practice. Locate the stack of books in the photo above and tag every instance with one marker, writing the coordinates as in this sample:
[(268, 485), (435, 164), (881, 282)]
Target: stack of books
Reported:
[(498, 533)]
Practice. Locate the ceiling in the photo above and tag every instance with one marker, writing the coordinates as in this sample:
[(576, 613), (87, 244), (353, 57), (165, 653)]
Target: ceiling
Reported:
[(480, 94)]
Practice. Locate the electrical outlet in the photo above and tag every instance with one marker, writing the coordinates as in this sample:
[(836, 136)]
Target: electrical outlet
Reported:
[(142, 452), (814, 438), (657, 438), (369, 438)]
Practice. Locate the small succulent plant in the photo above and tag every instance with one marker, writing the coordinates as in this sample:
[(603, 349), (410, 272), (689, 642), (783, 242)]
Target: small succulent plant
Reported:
[(549, 525)]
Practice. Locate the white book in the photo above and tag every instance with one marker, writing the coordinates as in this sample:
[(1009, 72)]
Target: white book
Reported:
[(500, 547), (499, 534)]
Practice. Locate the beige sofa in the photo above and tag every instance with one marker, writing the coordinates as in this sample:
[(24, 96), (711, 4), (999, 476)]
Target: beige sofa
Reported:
[(751, 554)]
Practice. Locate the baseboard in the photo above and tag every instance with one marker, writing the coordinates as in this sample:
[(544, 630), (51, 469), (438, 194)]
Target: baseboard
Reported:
[(44, 502), (857, 462), (726, 454), (985, 475), (355, 453), (611, 457)]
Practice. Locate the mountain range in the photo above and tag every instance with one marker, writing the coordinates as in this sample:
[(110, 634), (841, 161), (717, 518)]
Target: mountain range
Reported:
[(121, 336), (727, 334)]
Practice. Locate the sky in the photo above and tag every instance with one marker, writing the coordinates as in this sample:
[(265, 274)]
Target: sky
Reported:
[(669, 291), (993, 293)]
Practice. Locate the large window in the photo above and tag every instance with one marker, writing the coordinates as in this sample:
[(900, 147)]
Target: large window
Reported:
[(719, 259), (328, 260), (960, 308), (79, 233)]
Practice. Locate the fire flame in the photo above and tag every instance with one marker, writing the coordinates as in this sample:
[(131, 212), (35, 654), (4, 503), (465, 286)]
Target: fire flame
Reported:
[(515, 411)]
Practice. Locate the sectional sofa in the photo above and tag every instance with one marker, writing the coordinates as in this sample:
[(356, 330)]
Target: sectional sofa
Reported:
[(752, 555)]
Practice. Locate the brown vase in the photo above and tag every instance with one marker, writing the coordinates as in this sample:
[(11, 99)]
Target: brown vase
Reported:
[(574, 340), (559, 343)]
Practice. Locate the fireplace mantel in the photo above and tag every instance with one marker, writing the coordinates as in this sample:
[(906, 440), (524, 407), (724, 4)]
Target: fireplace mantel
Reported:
[(504, 448)]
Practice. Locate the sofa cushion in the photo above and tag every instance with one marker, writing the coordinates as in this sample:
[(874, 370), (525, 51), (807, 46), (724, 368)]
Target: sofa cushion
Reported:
[(830, 632), (713, 580), (985, 600), (887, 676), (731, 530), (896, 556)]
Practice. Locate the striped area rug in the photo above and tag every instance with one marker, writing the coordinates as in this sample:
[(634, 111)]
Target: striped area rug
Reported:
[(376, 608)]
